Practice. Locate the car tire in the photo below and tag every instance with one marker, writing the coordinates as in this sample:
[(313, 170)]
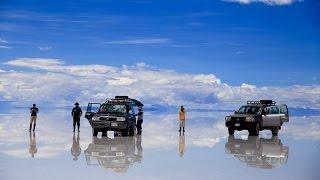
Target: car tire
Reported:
[(131, 131), (255, 130), (104, 133), (94, 132), (125, 132), (275, 131), (231, 131)]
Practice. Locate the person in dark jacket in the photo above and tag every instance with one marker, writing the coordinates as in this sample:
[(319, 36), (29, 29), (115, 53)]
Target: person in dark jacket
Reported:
[(76, 114), (33, 119)]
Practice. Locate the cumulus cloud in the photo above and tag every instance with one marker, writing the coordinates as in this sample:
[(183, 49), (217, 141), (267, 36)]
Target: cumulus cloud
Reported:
[(54, 81), (268, 2)]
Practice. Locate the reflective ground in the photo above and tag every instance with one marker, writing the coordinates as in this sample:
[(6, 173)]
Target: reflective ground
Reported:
[(204, 152)]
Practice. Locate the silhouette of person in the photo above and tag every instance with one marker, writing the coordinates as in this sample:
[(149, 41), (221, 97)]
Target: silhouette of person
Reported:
[(33, 118), (76, 114), (32, 144), (75, 149), (182, 145), (182, 119)]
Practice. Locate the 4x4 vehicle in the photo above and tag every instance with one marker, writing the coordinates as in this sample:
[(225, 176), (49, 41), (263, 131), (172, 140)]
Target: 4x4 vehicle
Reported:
[(257, 116), (118, 114)]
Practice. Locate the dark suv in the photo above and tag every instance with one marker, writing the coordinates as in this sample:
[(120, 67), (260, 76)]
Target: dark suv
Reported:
[(118, 114), (257, 116)]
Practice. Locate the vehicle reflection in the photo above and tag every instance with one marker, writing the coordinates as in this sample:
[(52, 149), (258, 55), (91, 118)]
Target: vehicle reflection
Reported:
[(32, 144), (75, 148), (116, 154), (258, 152)]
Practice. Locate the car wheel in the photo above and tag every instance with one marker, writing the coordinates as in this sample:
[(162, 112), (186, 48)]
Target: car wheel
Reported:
[(125, 132), (104, 133), (94, 132), (255, 130), (231, 131), (275, 131)]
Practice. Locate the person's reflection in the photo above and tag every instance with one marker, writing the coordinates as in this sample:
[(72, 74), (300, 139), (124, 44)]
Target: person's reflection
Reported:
[(116, 154), (32, 144), (182, 144), (75, 149), (139, 148), (258, 152)]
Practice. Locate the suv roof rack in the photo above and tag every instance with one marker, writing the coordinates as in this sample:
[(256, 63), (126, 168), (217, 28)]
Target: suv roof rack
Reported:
[(262, 102), (124, 99), (121, 97)]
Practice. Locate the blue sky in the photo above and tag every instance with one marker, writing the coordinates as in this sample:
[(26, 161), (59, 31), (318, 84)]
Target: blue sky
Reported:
[(257, 43), (195, 53)]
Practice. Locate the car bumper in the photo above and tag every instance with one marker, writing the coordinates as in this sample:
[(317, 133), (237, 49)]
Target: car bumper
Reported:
[(240, 125), (109, 125)]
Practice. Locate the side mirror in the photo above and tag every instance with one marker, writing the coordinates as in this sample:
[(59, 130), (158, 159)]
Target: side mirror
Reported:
[(235, 112)]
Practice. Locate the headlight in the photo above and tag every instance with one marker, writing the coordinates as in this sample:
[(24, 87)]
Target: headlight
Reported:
[(228, 118), (95, 118), (121, 118), (250, 119)]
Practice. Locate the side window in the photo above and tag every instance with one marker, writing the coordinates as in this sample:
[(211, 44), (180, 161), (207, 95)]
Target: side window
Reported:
[(268, 110), (283, 110), (135, 110), (93, 107), (131, 110), (274, 110)]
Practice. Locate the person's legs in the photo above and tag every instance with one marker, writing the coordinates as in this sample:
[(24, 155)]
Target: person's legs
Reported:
[(34, 122), (31, 122), (180, 125), (78, 124), (74, 124), (139, 126), (183, 124)]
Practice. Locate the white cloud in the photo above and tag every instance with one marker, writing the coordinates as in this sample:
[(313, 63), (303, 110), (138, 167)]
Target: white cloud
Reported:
[(44, 48), (4, 44), (140, 41), (268, 2), (3, 41), (53, 81), (5, 47)]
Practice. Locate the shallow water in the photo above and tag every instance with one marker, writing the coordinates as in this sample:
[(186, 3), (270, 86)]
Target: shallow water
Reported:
[(205, 151)]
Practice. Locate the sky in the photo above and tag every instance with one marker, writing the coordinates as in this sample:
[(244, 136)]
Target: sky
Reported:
[(183, 51)]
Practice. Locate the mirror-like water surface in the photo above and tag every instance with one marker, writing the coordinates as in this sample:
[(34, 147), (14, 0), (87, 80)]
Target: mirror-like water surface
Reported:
[(204, 151)]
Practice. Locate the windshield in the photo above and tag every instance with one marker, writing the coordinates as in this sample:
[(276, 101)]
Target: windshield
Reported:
[(113, 108), (249, 110)]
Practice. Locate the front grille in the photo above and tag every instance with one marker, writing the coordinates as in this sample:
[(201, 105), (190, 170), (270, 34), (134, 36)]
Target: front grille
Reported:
[(238, 119), (108, 118)]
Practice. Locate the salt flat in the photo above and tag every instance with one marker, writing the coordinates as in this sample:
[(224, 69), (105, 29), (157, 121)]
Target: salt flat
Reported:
[(206, 151)]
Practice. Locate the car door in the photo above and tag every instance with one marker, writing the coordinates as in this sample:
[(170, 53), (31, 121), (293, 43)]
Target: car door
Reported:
[(275, 116), (284, 113), (267, 117), (92, 109)]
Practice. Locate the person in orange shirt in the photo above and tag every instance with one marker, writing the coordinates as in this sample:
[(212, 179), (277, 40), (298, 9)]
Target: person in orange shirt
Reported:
[(182, 118)]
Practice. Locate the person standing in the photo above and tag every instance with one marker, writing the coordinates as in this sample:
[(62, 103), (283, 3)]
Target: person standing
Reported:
[(182, 118), (140, 121), (33, 119), (76, 114)]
